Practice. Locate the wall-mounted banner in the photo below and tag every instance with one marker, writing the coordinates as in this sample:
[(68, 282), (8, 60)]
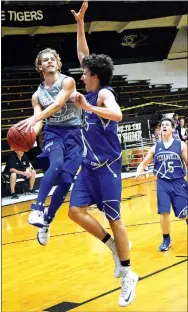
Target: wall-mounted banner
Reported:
[(132, 132), (8, 17), (134, 138), (29, 15)]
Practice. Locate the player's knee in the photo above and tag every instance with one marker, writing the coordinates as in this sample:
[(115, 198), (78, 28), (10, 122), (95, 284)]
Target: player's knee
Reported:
[(33, 172), (116, 224), (75, 213), (66, 178), (56, 164)]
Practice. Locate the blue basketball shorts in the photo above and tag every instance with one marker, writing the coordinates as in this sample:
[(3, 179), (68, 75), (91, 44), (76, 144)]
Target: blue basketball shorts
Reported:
[(68, 141), (175, 193), (102, 189)]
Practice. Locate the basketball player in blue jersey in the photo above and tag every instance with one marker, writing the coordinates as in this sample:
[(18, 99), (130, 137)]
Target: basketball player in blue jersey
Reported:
[(99, 181), (169, 156), (62, 140)]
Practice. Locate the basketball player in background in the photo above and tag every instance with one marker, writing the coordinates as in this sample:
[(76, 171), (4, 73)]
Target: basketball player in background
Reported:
[(169, 156), (62, 138), (99, 181)]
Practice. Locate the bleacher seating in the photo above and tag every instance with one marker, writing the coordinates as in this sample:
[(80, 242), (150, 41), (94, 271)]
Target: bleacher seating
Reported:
[(18, 87)]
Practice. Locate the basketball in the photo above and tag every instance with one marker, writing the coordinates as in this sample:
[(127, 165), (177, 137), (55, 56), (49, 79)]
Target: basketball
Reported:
[(20, 140)]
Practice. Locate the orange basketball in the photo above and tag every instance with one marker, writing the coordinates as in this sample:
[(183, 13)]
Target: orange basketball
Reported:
[(20, 140)]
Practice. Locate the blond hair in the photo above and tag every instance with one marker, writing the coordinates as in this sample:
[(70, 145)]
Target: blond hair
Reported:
[(40, 55)]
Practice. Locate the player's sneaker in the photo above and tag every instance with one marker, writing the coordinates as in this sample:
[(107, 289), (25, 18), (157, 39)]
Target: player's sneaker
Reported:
[(43, 234), (118, 263), (128, 288), (36, 217), (165, 244)]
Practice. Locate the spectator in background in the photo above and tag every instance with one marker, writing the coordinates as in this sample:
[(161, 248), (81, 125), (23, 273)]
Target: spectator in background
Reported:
[(19, 167), (182, 131), (176, 120), (156, 136), (175, 132)]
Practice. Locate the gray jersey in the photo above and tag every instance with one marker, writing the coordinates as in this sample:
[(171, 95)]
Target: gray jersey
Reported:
[(69, 115)]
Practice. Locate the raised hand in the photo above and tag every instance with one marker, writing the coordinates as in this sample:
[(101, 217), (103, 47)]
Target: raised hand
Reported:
[(80, 15)]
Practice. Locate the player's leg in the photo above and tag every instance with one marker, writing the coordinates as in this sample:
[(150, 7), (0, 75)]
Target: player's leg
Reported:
[(73, 150), (72, 161), (83, 195), (80, 200), (164, 203), (111, 199), (180, 199), (56, 157), (57, 200), (13, 177)]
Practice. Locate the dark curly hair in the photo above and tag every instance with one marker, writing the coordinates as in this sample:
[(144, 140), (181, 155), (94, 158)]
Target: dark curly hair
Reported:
[(168, 119), (100, 65)]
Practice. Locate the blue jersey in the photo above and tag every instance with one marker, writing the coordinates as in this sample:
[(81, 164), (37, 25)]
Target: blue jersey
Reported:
[(101, 140), (168, 163), (175, 134), (69, 115)]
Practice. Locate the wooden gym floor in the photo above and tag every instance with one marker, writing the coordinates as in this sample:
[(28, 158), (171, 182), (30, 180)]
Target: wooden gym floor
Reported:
[(74, 272)]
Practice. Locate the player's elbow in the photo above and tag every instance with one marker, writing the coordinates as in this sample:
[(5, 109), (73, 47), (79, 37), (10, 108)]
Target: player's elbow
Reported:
[(116, 117), (119, 117)]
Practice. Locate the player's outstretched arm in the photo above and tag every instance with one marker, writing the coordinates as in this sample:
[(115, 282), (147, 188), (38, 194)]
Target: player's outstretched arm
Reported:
[(184, 152), (69, 86), (146, 161), (82, 47)]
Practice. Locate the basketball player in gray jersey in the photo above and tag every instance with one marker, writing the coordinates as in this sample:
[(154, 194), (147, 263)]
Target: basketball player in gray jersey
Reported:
[(62, 139)]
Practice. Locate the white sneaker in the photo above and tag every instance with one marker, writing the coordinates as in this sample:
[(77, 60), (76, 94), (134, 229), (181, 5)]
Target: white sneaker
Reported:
[(118, 263), (128, 289), (43, 235), (36, 218)]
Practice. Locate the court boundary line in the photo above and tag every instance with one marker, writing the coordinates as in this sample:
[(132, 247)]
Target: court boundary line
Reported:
[(10, 215), (60, 308), (82, 232)]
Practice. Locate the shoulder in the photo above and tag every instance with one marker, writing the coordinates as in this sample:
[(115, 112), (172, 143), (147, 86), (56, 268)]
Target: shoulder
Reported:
[(68, 82), (35, 95), (106, 93)]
